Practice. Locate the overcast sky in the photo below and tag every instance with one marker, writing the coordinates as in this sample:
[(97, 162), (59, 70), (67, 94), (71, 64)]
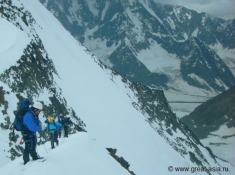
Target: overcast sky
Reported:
[(218, 8)]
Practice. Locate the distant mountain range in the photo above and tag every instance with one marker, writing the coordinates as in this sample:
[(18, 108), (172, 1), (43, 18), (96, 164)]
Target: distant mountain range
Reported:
[(154, 44)]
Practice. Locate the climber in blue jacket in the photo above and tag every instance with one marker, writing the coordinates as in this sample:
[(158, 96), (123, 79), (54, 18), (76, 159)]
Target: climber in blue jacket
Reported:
[(32, 125), (53, 128)]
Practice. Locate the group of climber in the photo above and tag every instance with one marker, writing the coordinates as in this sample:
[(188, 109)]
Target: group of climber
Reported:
[(32, 124), (54, 128)]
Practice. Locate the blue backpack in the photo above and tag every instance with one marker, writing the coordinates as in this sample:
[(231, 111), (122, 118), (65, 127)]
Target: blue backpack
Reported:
[(23, 108)]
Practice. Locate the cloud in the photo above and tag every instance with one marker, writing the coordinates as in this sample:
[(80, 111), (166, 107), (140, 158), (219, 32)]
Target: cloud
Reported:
[(215, 8)]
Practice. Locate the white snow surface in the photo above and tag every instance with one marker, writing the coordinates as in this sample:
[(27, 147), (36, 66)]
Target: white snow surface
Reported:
[(14, 41), (158, 61), (103, 105)]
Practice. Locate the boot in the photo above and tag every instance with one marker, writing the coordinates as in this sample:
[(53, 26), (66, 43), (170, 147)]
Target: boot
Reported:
[(36, 157)]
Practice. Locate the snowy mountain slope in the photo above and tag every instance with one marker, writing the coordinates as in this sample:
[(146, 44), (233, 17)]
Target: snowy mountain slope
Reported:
[(7, 49), (89, 153), (111, 107)]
